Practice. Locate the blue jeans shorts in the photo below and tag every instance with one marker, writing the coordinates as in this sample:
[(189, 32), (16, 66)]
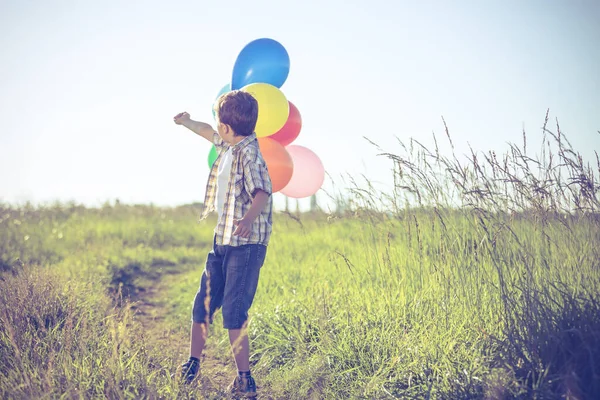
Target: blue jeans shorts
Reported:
[(229, 282)]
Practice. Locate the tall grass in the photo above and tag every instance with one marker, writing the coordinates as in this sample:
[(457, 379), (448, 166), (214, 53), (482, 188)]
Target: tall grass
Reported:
[(532, 229), (474, 278)]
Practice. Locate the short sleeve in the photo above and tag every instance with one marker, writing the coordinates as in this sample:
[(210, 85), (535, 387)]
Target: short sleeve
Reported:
[(256, 175), (218, 141)]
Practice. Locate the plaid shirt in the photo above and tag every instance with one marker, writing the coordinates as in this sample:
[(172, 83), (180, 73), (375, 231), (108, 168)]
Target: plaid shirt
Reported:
[(248, 173)]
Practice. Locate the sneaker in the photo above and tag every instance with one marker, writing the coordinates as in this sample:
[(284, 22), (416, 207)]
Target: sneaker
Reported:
[(244, 387), (189, 370)]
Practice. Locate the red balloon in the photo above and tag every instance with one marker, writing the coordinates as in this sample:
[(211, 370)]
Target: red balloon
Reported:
[(290, 131), (279, 162)]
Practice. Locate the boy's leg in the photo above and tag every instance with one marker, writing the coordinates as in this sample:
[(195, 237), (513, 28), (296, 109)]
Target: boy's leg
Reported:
[(208, 298), (198, 335), (240, 347), (243, 384), (242, 268)]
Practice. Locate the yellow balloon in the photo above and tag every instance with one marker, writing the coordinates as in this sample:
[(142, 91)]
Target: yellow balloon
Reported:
[(273, 108)]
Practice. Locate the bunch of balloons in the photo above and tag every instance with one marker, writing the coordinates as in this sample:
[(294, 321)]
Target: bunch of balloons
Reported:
[(260, 69)]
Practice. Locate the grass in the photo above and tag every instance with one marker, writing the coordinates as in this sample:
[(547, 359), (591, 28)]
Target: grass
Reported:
[(66, 325), (474, 279)]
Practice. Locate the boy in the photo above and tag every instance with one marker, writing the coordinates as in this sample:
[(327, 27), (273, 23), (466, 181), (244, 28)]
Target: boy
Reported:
[(240, 188)]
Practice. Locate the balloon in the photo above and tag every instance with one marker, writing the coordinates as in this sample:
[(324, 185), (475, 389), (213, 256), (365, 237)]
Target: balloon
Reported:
[(212, 156), (279, 162), (262, 60), (273, 108), (224, 89), (290, 131), (308, 174)]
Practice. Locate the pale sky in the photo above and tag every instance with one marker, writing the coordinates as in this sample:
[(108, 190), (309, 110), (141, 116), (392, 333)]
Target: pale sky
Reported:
[(88, 89)]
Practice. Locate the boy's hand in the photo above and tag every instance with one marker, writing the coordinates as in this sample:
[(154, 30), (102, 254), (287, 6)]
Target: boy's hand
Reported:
[(243, 228), (181, 118), (199, 128)]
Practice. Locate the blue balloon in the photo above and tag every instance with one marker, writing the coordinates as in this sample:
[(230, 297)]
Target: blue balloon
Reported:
[(261, 61), (224, 89)]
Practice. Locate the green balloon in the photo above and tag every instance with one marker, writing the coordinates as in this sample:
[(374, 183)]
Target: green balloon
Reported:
[(212, 156)]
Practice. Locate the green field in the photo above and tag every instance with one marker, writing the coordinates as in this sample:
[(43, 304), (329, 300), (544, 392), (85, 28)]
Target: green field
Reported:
[(486, 299)]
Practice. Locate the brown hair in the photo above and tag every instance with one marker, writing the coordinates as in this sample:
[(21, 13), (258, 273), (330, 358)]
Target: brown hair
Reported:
[(239, 110)]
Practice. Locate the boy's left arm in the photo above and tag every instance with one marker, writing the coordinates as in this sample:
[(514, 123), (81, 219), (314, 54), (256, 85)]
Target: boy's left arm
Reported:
[(258, 185), (244, 225)]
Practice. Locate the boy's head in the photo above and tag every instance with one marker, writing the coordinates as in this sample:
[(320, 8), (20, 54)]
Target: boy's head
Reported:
[(237, 112)]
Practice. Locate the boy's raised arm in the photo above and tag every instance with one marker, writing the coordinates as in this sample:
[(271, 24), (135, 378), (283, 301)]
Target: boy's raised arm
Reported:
[(199, 128)]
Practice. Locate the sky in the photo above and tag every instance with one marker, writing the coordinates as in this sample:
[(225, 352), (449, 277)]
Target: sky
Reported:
[(88, 89)]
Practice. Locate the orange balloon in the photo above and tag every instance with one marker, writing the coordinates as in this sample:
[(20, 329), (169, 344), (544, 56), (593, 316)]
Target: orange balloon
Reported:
[(279, 162)]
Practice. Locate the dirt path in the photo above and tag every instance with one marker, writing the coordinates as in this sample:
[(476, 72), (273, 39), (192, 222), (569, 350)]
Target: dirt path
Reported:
[(173, 341)]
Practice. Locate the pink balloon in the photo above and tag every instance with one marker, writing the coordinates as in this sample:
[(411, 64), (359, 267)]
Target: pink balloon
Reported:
[(308, 175)]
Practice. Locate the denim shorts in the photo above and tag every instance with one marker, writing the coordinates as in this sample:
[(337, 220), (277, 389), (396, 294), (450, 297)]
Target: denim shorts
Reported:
[(229, 282)]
